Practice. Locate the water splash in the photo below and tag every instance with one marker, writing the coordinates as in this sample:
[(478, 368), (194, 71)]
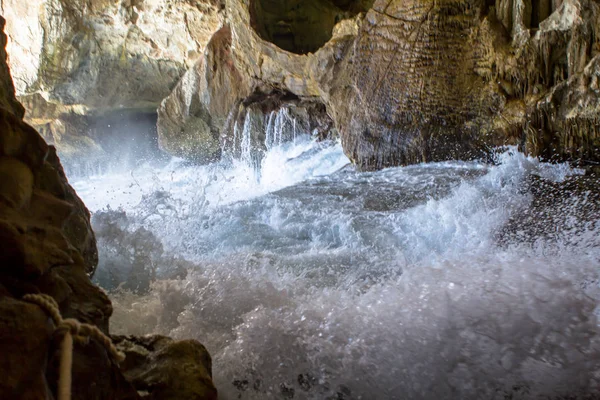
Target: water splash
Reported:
[(320, 282)]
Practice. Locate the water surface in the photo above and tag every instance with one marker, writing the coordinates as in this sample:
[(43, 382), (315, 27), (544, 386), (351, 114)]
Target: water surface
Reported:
[(306, 279)]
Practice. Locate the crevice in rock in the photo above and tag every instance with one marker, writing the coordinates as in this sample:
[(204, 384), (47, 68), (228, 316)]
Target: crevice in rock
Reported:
[(301, 26), (540, 10)]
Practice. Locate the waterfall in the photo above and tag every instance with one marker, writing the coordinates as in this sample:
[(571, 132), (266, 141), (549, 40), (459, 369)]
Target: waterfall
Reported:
[(246, 144), (260, 134), (270, 132)]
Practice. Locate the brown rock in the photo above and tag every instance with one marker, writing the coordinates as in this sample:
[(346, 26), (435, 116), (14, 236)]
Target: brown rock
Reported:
[(13, 249), (8, 101), (190, 120), (24, 344), (16, 182), (167, 369), (47, 246)]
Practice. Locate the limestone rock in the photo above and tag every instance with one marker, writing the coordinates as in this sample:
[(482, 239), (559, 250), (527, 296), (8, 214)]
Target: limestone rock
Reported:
[(550, 69), (106, 54), (191, 118), (452, 79), (86, 59), (239, 68), (566, 122), (413, 81)]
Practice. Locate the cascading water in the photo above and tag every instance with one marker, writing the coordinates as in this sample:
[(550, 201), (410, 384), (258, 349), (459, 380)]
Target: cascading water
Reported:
[(314, 281)]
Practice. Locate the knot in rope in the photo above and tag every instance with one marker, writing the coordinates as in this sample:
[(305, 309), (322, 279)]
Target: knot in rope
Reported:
[(71, 329)]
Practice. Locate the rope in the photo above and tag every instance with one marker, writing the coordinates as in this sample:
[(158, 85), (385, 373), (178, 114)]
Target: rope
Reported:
[(72, 330)]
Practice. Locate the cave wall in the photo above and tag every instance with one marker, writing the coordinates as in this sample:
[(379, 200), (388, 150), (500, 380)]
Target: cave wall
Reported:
[(47, 247), (403, 81), (414, 81), (410, 93), (80, 59), (431, 81)]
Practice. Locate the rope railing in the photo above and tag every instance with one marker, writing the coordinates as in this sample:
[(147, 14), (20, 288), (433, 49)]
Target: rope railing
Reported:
[(71, 329)]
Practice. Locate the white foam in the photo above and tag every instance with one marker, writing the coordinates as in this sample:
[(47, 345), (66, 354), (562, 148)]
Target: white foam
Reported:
[(352, 285)]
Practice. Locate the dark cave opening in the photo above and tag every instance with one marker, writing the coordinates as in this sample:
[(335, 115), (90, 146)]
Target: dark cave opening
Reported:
[(301, 26), (540, 10), (126, 135), (97, 143)]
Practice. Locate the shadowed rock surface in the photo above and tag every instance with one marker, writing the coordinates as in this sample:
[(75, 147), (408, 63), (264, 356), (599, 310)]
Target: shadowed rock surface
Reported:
[(301, 26), (167, 370), (48, 247)]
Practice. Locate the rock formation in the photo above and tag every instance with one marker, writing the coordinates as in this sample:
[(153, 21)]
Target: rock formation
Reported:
[(407, 81), (48, 247), (401, 81), (79, 60), (239, 69)]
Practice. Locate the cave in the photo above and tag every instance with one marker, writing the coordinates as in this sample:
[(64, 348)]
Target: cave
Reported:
[(98, 142), (285, 228), (301, 26), (127, 136)]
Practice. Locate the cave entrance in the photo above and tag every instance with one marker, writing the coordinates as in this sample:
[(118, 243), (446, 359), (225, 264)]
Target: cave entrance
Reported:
[(301, 26), (127, 136)]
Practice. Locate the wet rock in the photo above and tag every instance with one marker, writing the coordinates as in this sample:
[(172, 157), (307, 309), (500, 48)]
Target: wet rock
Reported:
[(191, 118), (566, 122), (47, 246), (161, 368), (25, 328)]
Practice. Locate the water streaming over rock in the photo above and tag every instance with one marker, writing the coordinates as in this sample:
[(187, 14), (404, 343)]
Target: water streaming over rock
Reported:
[(310, 280)]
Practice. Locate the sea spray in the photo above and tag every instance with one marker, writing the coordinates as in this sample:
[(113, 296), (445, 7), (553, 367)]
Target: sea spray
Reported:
[(321, 282)]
